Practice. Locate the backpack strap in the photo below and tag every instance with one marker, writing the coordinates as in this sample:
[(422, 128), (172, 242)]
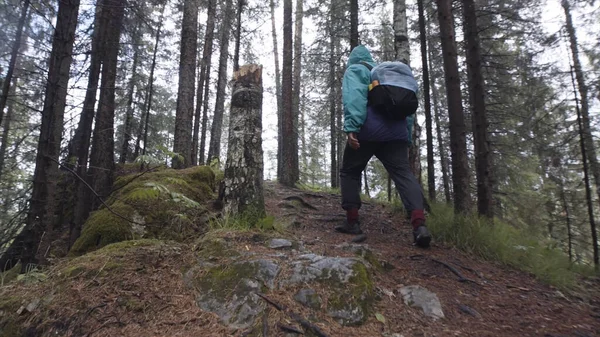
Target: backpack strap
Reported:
[(370, 67)]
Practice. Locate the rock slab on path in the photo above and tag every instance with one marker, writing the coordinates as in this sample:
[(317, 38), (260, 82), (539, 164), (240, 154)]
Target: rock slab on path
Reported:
[(419, 297)]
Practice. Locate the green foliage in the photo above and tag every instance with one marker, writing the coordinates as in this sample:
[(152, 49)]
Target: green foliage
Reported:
[(498, 241), (246, 222)]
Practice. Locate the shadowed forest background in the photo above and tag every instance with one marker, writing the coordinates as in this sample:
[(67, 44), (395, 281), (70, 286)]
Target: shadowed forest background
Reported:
[(506, 130)]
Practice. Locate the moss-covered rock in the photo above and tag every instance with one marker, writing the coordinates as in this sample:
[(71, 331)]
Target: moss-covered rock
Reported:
[(165, 204), (353, 304), (104, 227)]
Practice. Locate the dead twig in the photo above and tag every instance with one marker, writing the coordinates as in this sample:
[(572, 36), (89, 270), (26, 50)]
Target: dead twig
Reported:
[(289, 328), (94, 192), (301, 201), (304, 323), (461, 277), (476, 272)]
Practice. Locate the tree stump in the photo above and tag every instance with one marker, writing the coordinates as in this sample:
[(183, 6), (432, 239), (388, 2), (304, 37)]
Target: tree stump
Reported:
[(243, 180)]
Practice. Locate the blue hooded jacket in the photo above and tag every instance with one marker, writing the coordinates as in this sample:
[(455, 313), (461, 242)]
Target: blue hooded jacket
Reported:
[(368, 124)]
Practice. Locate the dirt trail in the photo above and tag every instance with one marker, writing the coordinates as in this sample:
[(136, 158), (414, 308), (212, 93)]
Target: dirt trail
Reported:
[(138, 289), (494, 301)]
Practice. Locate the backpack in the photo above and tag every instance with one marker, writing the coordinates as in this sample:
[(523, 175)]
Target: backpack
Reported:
[(388, 94)]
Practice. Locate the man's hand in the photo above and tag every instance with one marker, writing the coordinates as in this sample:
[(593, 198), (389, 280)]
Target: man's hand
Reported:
[(353, 141)]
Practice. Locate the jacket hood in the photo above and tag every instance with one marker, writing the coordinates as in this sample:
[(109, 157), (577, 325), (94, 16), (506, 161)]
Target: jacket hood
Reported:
[(360, 54)]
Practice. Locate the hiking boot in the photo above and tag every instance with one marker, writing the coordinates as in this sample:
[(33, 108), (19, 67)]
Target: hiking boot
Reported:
[(349, 228), (422, 237)]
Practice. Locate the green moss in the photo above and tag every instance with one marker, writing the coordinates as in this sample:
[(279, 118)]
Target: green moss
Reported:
[(215, 248), (358, 293), (226, 281), (103, 227), (10, 275), (370, 257)]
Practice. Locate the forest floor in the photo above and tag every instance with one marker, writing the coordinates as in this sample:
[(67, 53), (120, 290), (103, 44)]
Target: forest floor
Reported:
[(146, 295)]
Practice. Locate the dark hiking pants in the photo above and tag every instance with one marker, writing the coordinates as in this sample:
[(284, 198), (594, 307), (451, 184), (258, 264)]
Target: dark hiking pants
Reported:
[(394, 157)]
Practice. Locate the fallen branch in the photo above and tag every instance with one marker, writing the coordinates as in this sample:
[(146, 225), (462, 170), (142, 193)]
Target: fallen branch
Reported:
[(461, 277), (301, 201), (289, 328), (476, 272), (94, 192), (304, 323)]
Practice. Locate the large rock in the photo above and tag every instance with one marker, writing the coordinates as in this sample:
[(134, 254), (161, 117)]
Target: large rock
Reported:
[(230, 290), (419, 297)]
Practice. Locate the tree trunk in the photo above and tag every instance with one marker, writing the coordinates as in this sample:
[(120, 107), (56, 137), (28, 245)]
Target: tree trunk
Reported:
[(479, 115), (366, 183), (438, 129), (102, 160), (203, 81), (332, 107), (214, 150), (277, 94), (288, 148), (297, 82), (73, 208), (6, 131), (585, 116), (238, 35), (354, 37), (142, 132), (563, 198), (13, 59), (458, 142), (130, 92), (244, 167), (401, 46), (187, 79), (586, 176), (427, 99), (42, 203), (151, 80)]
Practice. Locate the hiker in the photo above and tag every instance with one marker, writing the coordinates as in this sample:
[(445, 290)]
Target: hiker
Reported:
[(377, 120)]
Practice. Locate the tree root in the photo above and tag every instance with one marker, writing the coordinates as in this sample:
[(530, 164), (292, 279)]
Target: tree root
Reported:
[(303, 322)]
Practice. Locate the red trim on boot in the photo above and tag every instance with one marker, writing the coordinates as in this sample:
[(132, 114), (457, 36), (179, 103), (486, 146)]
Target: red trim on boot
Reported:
[(352, 215), (417, 218)]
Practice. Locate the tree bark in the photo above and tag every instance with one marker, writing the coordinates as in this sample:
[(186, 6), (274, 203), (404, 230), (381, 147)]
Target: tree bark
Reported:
[(586, 176), (238, 35), (297, 82), (42, 202), (458, 143), (151, 79), (102, 160), (332, 106), (288, 148), (586, 132), (214, 150), (354, 37), (187, 78), (278, 94), (203, 81), (427, 99), (438, 129), (13, 59), (401, 45), (244, 167), (479, 115), (130, 92), (6, 131)]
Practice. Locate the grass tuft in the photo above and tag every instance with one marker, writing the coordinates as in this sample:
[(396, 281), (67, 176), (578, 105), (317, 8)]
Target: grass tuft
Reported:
[(501, 242)]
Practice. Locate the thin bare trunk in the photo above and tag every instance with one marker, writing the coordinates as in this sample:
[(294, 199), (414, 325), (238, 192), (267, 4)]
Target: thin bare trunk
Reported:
[(586, 175), (277, 93), (401, 45), (130, 92), (6, 131), (427, 99), (366, 181), (297, 82), (185, 93), (479, 117), (238, 35), (203, 82), (289, 157), (13, 59), (214, 150), (332, 109), (354, 38)]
